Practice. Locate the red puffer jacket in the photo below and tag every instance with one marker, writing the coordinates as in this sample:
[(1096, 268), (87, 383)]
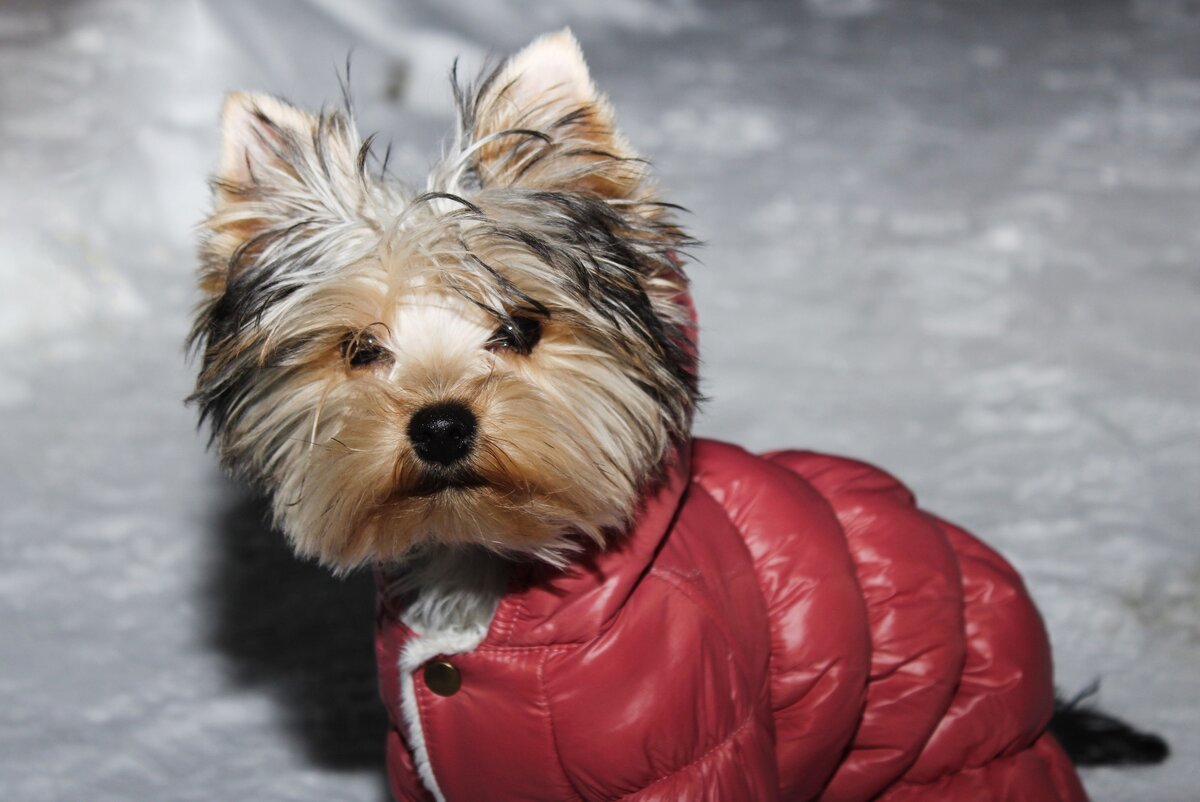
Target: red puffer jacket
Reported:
[(784, 627)]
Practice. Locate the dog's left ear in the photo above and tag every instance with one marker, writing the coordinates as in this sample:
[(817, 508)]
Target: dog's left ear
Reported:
[(539, 122)]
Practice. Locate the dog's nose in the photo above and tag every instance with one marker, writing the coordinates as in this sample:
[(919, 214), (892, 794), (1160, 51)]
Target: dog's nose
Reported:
[(442, 433)]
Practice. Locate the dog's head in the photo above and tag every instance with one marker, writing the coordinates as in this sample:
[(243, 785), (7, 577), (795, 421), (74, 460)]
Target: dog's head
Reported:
[(502, 359)]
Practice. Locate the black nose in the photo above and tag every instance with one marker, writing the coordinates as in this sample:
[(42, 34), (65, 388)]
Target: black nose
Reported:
[(442, 433)]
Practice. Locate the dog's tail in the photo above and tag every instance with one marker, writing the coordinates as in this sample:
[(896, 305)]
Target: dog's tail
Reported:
[(1093, 738)]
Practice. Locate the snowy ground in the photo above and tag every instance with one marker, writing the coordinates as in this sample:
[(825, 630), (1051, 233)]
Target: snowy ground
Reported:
[(960, 243)]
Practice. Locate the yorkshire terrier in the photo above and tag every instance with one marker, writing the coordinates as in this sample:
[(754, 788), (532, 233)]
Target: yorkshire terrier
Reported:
[(485, 390)]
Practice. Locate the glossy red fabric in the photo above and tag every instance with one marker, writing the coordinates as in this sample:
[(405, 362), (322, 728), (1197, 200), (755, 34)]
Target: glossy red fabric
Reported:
[(779, 627)]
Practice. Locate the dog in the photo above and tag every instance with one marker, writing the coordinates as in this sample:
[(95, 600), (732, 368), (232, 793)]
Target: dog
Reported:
[(485, 390)]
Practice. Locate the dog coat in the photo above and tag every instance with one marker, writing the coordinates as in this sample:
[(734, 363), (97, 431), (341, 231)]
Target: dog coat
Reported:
[(779, 627)]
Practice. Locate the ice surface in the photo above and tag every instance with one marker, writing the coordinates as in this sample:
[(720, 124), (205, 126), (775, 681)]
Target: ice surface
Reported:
[(960, 243)]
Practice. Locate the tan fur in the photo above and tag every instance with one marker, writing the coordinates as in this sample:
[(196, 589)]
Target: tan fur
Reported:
[(305, 249), (544, 83)]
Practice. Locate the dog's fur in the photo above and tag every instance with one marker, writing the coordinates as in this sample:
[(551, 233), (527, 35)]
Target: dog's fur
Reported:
[(535, 282), (338, 303)]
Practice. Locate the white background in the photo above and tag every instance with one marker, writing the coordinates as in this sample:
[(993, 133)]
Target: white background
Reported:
[(961, 243)]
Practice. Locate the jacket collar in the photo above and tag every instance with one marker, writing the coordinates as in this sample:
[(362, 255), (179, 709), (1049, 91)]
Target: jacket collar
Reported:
[(546, 605)]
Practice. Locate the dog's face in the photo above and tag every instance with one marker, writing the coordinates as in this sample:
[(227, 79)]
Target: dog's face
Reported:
[(503, 359)]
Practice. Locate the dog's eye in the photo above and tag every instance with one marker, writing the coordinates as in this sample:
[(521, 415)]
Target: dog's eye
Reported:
[(363, 349), (517, 334)]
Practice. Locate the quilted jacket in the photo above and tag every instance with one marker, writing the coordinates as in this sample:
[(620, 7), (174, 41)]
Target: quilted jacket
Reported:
[(779, 627)]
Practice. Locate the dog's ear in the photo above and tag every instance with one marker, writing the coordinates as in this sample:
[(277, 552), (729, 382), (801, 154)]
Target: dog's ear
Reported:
[(539, 122), (260, 135), (280, 168)]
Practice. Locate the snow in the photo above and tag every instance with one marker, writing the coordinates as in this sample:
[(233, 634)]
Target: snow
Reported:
[(961, 243)]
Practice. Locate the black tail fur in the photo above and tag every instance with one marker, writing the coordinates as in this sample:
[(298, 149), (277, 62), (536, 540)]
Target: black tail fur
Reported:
[(1092, 738)]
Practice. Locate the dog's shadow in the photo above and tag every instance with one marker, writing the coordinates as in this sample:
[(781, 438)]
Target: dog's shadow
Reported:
[(292, 631)]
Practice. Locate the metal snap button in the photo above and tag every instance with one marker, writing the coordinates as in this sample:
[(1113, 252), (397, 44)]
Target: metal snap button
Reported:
[(442, 677)]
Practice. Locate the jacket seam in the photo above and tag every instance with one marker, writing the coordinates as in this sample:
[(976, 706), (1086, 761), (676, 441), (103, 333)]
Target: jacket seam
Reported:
[(545, 704), (966, 768), (772, 655), (667, 579), (504, 625), (719, 745), (550, 648), (678, 582)]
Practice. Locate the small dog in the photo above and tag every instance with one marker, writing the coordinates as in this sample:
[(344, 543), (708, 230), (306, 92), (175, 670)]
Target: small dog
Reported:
[(486, 390)]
